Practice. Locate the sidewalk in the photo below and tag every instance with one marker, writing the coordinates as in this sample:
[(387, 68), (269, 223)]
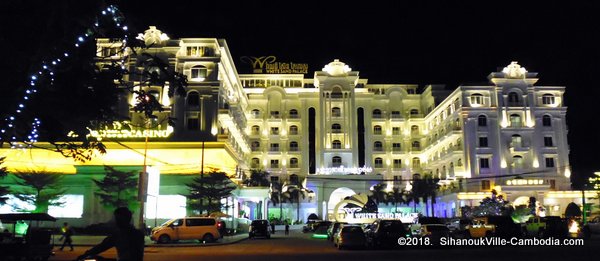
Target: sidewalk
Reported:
[(84, 240)]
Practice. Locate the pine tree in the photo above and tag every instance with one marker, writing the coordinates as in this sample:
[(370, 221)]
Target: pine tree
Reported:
[(42, 189), (117, 189), (206, 192)]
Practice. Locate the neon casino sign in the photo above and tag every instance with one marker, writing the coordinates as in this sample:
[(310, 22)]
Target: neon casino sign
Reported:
[(269, 64), (357, 214), (343, 170), (118, 132)]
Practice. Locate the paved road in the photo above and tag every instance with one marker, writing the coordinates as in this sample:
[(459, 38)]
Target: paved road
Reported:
[(298, 246)]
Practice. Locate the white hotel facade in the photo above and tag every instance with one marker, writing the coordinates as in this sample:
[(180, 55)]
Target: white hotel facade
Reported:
[(341, 135)]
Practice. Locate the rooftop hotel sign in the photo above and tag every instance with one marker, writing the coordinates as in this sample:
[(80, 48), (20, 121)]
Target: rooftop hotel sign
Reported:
[(270, 65)]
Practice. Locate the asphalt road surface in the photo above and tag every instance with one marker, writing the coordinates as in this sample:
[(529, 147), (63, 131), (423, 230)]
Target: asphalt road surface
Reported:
[(298, 246)]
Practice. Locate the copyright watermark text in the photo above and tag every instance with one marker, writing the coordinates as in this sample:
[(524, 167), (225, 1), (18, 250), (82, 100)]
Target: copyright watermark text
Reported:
[(491, 241)]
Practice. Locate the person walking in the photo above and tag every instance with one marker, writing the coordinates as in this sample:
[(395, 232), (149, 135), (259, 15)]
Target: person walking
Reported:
[(272, 227), (287, 227), (128, 240), (67, 232)]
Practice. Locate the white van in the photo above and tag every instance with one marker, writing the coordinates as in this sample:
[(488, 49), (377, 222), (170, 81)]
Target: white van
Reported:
[(205, 229)]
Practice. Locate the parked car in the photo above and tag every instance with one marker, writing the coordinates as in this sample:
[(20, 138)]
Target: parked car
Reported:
[(204, 229), (333, 229), (385, 233), (458, 227), (499, 226), (415, 229), (550, 226), (320, 229), (349, 236), (434, 232), (594, 225), (259, 228)]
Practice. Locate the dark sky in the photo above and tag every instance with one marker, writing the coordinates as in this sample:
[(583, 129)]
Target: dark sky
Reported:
[(419, 42)]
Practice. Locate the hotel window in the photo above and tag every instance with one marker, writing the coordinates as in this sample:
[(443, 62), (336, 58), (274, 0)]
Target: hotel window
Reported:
[(275, 114), (414, 112), (378, 146), (416, 145), (336, 92), (293, 130), (293, 146), (549, 162), (274, 130), (397, 163), (546, 121), (513, 99), (515, 121), (552, 184), (193, 123), (293, 162), (548, 142), (336, 112), (396, 130), (336, 128), (516, 141), (255, 163), (459, 162), (485, 185), (199, 73), (481, 121), (274, 147), (193, 99), (484, 163), (255, 146), (376, 113), (255, 113), (414, 129), (336, 144), (293, 114), (476, 99), (411, 91), (274, 163), (255, 130), (396, 147), (416, 162), (518, 162), (483, 142), (336, 161), (196, 50), (395, 114), (377, 130), (378, 163), (548, 99)]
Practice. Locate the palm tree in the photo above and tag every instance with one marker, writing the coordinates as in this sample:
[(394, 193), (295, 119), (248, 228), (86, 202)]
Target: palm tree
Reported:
[(258, 178), (378, 194), (275, 197), (430, 187), (292, 194), (397, 196)]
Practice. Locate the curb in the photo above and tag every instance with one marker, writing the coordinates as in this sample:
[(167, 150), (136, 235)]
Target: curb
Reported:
[(172, 245)]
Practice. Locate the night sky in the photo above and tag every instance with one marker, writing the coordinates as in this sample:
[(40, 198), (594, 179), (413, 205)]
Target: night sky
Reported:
[(419, 42)]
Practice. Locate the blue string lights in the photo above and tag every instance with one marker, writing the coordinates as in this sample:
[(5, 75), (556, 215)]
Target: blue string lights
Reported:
[(47, 71)]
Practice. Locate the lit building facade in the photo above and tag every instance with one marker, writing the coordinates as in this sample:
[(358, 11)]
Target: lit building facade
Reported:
[(335, 133)]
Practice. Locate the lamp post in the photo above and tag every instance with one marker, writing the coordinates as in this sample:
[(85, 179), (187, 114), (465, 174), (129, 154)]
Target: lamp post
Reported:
[(143, 183)]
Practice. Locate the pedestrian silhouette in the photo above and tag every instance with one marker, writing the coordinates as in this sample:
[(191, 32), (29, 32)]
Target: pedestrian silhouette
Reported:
[(67, 232), (287, 228), (128, 240), (272, 228)]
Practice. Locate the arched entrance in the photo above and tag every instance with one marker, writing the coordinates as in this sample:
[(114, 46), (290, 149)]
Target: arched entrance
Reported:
[(523, 200), (336, 196)]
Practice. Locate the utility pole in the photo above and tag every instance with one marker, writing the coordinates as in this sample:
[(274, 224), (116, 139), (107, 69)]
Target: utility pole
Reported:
[(143, 184)]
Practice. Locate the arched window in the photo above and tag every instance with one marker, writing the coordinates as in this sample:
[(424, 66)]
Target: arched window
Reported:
[(548, 99), (515, 121), (513, 99), (416, 162), (378, 146), (376, 113), (414, 129), (377, 130), (293, 162), (293, 146), (414, 112), (416, 145), (193, 99), (547, 121), (255, 113), (293, 113), (482, 121), (336, 112), (293, 130), (156, 94), (255, 146), (336, 128), (255, 130), (336, 92), (459, 162), (336, 161), (378, 163), (516, 141), (255, 163), (198, 73), (517, 162), (476, 99), (336, 144)]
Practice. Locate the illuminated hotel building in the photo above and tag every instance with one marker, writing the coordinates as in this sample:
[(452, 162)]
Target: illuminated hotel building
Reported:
[(337, 134)]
